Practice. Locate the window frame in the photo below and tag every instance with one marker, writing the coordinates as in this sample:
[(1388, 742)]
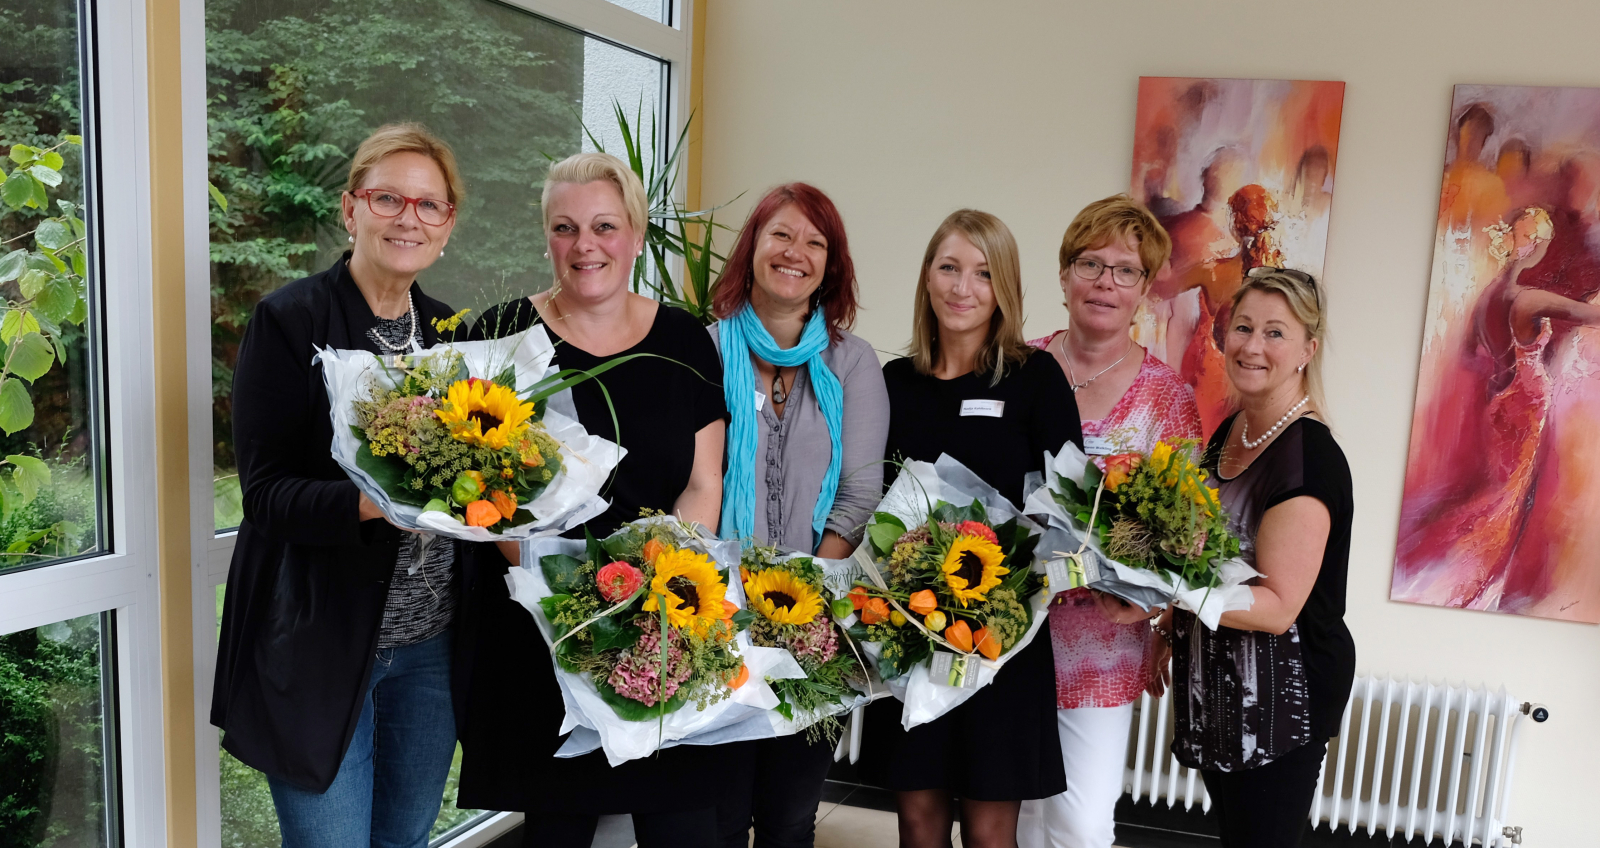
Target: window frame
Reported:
[(122, 580), (211, 552)]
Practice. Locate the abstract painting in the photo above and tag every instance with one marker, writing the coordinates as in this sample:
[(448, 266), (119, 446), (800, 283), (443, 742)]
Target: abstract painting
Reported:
[(1240, 172), (1501, 506)]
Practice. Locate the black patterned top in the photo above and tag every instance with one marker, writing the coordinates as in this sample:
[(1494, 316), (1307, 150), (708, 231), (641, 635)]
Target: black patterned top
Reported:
[(1245, 698)]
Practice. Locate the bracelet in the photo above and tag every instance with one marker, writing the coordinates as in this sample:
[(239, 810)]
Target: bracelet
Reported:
[(1164, 632)]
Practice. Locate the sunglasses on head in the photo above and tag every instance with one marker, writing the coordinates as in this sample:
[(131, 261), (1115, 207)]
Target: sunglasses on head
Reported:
[(1300, 277)]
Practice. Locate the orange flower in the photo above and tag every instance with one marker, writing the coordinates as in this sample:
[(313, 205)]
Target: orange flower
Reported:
[(503, 502), (741, 678), (959, 635), (988, 643), (923, 602), (653, 549), (729, 608), (875, 611), (1119, 468), (482, 514), (858, 598)]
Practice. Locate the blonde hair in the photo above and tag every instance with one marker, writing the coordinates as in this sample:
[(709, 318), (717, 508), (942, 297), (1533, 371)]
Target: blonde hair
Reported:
[(1305, 303), (1005, 345), (390, 139), (1501, 242), (581, 168), (1118, 217)]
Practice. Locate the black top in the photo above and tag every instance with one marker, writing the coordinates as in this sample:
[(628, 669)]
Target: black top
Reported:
[(514, 709), (1257, 696), (308, 583), (1037, 413)]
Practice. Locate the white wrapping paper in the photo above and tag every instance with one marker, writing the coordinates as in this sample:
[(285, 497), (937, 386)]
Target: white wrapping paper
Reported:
[(592, 722), (913, 495), (1065, 534), (572, 498)]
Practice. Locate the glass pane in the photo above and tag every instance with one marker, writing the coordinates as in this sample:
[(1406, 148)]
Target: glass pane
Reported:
[(48, 434), (656, 10), (53, 751), (248, 818), (295, 85)]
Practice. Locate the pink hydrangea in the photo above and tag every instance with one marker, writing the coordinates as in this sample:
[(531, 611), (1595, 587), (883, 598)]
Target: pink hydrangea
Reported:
[(638, 677), (815, 643), (618, 580)]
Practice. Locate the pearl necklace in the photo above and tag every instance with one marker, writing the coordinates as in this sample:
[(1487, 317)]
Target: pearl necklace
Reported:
[(1072, 378), (411, 334), (1244, 425)]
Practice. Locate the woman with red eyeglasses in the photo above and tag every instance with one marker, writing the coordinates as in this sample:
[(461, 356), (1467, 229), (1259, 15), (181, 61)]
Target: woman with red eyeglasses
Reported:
[(334, 660)]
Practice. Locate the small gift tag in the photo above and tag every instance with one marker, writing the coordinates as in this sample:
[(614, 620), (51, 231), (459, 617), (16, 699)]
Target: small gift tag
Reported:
[(958, 671), (1071, 572)]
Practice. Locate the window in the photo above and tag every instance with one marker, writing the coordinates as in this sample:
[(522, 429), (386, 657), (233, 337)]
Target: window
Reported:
[(292, 88)]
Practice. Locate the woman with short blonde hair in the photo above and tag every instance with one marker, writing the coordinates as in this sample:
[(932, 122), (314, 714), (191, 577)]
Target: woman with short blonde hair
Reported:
[(972, 389)]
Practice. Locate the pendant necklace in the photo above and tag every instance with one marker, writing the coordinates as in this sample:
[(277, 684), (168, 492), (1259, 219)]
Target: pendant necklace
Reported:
[(1244, 426), (1072, 378), (780, 393)]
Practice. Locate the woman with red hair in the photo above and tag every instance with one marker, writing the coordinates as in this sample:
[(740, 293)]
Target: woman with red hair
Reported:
[(810, 418)]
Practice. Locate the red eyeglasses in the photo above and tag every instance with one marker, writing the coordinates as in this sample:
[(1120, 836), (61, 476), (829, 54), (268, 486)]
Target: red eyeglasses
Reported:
[(389, 204)]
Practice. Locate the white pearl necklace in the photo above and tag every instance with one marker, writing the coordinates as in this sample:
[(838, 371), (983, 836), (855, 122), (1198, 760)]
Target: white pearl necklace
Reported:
[(1244, 426)]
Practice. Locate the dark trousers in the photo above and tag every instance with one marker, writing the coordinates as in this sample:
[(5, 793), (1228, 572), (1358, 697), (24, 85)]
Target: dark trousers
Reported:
[(677, 829), (1267, 806), (775, 784)]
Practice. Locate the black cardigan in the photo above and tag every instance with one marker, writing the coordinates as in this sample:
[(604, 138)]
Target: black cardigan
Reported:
[(308, 582)]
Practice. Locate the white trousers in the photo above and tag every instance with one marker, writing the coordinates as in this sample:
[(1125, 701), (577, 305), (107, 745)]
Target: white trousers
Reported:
[(1094, 747)]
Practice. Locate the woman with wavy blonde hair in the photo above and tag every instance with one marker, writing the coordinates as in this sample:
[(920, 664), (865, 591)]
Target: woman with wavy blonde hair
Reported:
[(973, 389)]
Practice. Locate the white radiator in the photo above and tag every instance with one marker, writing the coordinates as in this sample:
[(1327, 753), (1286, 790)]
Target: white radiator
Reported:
[(1411, 759)]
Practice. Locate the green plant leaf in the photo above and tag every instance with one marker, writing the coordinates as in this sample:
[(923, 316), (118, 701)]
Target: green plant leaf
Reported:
[(79, 314), (216, 194), (52, 235), (884, 531), (628, 709), (609, 633), (40, 197), (21, 154), (31, 283), (561, 572), (16, 407), (12, 265), (73, 139), (388, 473), (18, 189), (17, 322), (31, 356), (52, 160), (49, 176), (58, 299), (30, 474)]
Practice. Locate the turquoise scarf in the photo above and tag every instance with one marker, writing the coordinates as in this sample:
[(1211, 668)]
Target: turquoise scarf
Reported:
[(743, 334)]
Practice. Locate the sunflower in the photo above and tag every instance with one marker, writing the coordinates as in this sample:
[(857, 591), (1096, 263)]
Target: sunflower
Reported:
[(972, 567), (692, 587), (782, 597), (483, 413)]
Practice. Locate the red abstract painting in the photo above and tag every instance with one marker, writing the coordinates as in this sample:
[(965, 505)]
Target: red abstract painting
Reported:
[(1501, 508), (1240, 172)]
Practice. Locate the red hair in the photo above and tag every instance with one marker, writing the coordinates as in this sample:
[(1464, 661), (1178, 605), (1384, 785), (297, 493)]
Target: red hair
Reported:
[(837, 294)]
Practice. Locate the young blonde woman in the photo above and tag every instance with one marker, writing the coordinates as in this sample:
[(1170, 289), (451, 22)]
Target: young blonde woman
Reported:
[(972, 388), (1129, 401)]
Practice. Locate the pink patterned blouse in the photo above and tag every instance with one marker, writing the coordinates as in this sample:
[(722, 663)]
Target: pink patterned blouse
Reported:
[(1100, 664)]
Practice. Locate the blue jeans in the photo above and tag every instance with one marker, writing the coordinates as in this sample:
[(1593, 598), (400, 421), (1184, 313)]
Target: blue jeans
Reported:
[(391, 782)]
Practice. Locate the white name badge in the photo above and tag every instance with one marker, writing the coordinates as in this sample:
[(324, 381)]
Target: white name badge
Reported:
[(761, 401), (985, 408), (1098, 446)]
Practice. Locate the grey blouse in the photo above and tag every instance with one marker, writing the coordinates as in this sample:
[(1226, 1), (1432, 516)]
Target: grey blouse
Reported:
[(793, 450)]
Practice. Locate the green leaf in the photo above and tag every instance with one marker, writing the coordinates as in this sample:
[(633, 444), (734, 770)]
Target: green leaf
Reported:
[(389, 473), (52, 160), (73, 139), (79, 314), (29, 473), (16, 407), (628, 709), (12, 265), (31, 356), (21, 154), (32, 283), (52, 235), (561, 572), (609, 633), (58, 299), (216, 194), (80, 263), (884, 531), (17, 322), (18, 189), (743, 619), (49, 176), (40, 198)]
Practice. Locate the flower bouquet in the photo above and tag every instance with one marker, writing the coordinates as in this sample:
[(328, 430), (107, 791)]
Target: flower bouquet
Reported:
[(788, 595), (444, 440), (1148, 529), (642, 625), (950, 592)]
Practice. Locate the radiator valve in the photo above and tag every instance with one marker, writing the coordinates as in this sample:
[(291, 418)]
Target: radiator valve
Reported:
[(1538, 712), (1512, 833)]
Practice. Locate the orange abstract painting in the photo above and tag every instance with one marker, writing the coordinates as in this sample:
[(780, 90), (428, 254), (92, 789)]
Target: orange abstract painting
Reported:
[(1240, 172), (1501, 507)]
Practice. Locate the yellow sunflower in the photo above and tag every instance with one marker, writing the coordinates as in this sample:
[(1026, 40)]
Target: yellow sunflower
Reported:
[(972, 567), (692, 587), (782, 597), (486, 414)]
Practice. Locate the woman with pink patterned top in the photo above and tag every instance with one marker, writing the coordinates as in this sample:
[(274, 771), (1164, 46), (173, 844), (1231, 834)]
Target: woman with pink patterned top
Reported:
[(1105, 652)]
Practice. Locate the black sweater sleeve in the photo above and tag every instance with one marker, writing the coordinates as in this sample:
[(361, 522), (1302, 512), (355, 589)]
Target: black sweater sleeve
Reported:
[(1055, 420), (272, 413)]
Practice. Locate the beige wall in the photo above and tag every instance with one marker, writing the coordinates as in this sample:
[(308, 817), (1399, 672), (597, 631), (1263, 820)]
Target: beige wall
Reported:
[(905, 111)]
